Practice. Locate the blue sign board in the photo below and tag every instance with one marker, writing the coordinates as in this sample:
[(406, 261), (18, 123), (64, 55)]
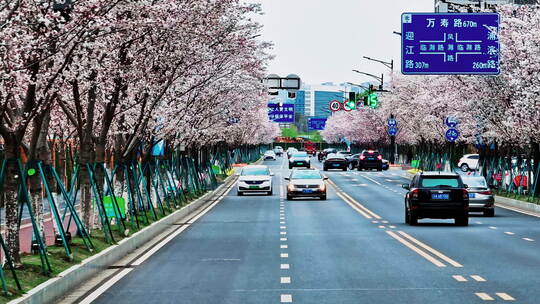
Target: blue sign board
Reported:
[(436, 43), (315, 123), (392, 122), (392, 130), (452, 135), (283, 113), (451, 121)]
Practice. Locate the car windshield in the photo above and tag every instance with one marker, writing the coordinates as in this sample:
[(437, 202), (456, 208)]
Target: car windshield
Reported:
[(305, 174), (475, 182), (345, 152), (269, 152), (255, 171), (300, 154), (440, 182)]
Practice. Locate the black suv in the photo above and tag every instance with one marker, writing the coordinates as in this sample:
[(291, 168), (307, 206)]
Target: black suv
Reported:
[(440, 195), (370, 159), (325, 152)]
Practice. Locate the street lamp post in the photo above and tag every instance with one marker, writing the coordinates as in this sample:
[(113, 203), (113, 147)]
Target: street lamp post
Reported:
[(389, 65)]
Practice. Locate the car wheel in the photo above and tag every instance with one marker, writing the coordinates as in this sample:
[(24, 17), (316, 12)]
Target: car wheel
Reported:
[(489, 212), (379, 169), (290, 167), (464, 167), (351, 166), (462, 220), (325, 169), (413, 219), (240, 193), (344, 169), (359, 168), (289, 197), (406, 216), (271, 192), (323, 197)]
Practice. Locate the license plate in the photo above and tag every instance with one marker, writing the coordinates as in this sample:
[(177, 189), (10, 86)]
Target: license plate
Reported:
[(371, 158), (472, 195), (307, 190), (336, 165), (253, 187), (440, 196), (299, 163)]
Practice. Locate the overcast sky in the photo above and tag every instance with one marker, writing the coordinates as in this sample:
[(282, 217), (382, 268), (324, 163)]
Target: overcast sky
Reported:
[(323, 40)]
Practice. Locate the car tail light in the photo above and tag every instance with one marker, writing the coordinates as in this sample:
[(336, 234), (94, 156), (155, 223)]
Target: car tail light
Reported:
[(362, 157), (465, 194), (379, 157), (486, 192), (415, 194)]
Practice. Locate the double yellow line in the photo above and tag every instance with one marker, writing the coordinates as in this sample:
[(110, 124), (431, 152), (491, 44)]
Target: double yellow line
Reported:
[(432, 255), (425, 251), (354, 204)]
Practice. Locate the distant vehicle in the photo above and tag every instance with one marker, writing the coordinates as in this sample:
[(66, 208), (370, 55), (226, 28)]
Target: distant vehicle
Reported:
[(290, 151), (481, 198), (385, 164), (299, 159), (255, 178), (370, 159), (310, 148), (335, 161), (325, 152), (440, 195), (270, 155), (306, 183), (468, 162), (353, 160), (278, 150)]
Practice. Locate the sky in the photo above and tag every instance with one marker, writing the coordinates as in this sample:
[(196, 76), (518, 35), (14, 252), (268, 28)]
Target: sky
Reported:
[(323, 40)]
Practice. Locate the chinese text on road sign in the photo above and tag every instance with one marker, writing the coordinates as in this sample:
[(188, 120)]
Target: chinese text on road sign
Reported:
[(450, 43)]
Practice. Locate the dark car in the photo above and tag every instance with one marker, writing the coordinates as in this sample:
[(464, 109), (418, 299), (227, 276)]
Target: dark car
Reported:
[(325, 152), (306, 183), (299, 159), (353, 161), (440, 195), (335, 161), (385, 164), (370, 159)]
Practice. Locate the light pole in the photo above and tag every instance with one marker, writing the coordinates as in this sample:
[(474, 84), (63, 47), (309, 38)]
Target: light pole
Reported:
[(389, 65)]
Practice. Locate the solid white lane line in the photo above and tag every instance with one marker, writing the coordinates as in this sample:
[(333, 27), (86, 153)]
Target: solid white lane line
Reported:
[(416, 249), (484, 296), (433, 251), (519, 210), (373, 214), (505, 296), (283, 246), (285, 280), (459, 278), (96, 293), (528, 239), (509, 233), (286, 298), (478, 278), (283, 255), (353, 206), (284, 266)]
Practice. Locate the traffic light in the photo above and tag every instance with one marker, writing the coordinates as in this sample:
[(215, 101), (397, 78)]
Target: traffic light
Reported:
[(371, 100), (352, 96)]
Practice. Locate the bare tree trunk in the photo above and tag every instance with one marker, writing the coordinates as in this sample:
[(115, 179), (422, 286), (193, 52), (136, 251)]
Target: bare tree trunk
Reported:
[(12, 180)]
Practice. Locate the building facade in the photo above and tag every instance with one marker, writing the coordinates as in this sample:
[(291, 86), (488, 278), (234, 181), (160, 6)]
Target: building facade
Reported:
[(454, 6)]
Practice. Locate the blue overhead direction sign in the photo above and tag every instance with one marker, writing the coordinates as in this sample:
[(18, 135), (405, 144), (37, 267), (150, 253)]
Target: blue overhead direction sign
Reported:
[(281, 113), (316, 123), (456, 43)]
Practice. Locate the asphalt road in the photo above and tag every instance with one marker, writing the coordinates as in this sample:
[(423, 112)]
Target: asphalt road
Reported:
[(352, 248)]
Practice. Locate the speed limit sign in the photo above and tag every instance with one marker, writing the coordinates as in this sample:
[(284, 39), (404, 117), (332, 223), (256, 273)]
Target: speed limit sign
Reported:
[(335, 105)]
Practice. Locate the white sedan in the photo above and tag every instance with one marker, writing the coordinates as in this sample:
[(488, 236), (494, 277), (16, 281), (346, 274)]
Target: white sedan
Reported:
[(270, 155), (255, 178)]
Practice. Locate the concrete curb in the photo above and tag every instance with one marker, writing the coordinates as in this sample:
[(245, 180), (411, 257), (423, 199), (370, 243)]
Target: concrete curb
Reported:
[(501, 201), (57, 287)]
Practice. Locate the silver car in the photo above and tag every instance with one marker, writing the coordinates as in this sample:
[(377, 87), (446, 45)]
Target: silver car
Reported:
[(306, 183), (481, 198)]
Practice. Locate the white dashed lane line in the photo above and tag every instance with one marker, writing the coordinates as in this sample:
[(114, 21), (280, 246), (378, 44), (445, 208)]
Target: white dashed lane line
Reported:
[(528, 239), (286, 298), (285, 280)]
